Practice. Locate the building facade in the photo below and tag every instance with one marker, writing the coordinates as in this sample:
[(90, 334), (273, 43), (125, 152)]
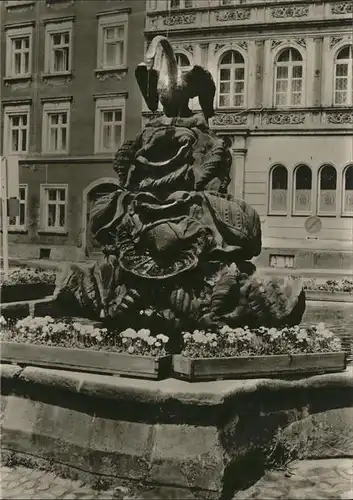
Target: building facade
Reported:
[(68, 100), (284, 75)]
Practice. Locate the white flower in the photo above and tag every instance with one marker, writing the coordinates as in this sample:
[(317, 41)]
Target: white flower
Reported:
[(163, 338), (148, 312), (124, 340), (187, 335), (130, 349), (143, 334), (158, 344), (3, 321), (151, 341), (129, 333), (45, 329)]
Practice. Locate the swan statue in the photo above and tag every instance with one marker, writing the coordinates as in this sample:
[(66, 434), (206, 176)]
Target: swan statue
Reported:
[(161, 80)]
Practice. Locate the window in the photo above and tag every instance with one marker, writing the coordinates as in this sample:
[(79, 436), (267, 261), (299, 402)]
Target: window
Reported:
[(18, 52), (18, 3), (112, 41), (56, 121), (16, 129), (347, 208), (226, 2), (19, 222), (58, 47), (182, 62), (181, 4), (231, 90), (327, 190), (302, 190), (278, 190), (289, 78), (343, 88), (110, 124), (54, 203)]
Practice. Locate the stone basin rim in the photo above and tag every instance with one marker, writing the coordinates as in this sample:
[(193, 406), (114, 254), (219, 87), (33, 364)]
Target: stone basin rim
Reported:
[(209, 393)]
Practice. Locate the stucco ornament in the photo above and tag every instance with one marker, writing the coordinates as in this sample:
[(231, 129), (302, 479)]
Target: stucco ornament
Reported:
[(173, 239)]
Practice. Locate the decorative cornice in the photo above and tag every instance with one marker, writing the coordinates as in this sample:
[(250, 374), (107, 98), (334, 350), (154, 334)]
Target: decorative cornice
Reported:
[(284, 118), (110, 95), (340, 117), (57, 99), (299, 41), (342, 8), (234, 44), (229, 119), (179, 19), (233, 15), (16, 102), (113, 12), (53, 20), (334, 40), (19, 24), (187, 47), (289, 11), (104, 74)]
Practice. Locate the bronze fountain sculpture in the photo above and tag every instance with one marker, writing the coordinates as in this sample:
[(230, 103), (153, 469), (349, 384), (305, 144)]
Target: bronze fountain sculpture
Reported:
[(173, 240)]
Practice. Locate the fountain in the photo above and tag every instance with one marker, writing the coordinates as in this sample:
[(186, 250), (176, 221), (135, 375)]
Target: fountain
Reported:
[(175, 243), (173, 238)]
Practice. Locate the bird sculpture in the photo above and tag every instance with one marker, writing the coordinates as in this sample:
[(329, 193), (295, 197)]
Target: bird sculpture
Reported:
[(161, 80)]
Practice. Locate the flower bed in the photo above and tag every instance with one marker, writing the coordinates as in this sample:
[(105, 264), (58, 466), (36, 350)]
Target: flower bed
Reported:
[(342, 285), (26, 275), (72, 345), (241, 352), (26, 284)]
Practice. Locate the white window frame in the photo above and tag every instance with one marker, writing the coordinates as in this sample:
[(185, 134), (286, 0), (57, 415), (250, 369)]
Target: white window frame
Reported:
[(232, 67), (111, 21), (183, 4), (13, 34), (9, 112), (271, 210), (295, 211), (108, 104), (327, 213), (50, 108), (44, 204), (19, 3), (17, 226), (51, 29), (345, 213), (290, 64), (349, 63)]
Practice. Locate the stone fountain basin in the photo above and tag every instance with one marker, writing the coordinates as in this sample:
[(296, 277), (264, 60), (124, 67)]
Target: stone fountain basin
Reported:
[(169, 438)]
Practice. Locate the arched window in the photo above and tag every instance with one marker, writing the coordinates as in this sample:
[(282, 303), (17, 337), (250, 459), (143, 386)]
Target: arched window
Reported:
[(183, 62), (231, 80), (289, 78), (302, 190), (278, 190), (327, 190), (343, 89), (348, 191)]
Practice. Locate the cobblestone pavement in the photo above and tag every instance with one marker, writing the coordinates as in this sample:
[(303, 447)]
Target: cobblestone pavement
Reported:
[(307, 479)]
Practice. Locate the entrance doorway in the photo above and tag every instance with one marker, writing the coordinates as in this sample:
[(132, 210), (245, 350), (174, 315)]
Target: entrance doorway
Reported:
[(99, 189)]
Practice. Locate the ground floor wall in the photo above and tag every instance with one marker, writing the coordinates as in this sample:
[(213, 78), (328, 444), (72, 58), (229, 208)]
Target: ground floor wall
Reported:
[(312, 225), (34, 239)]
